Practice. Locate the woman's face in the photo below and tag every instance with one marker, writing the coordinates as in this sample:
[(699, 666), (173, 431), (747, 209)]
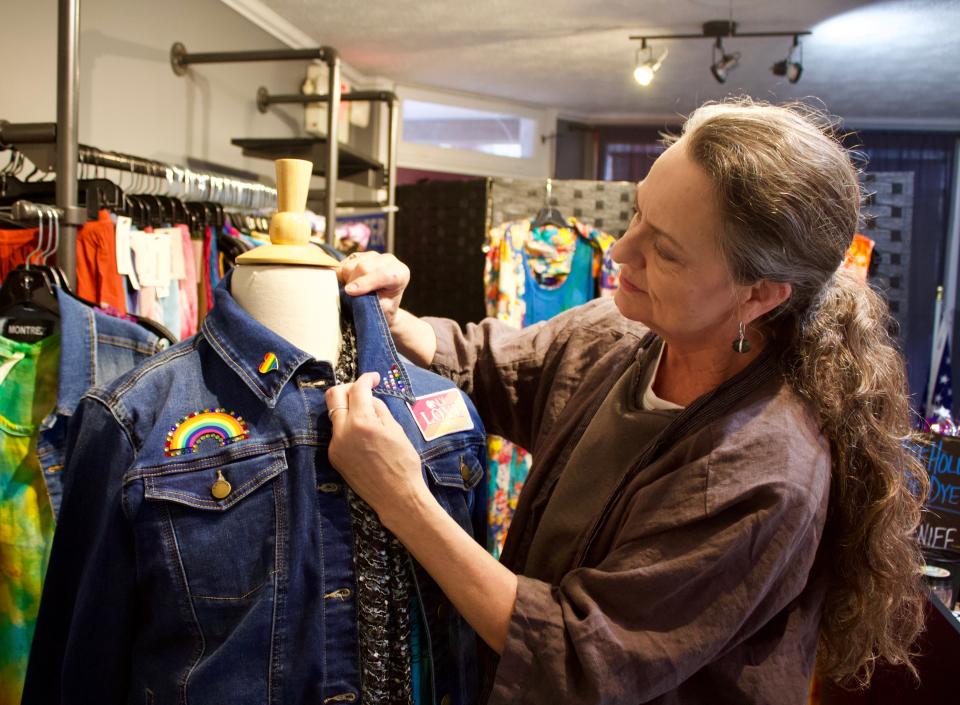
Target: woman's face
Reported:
[(673, 278)]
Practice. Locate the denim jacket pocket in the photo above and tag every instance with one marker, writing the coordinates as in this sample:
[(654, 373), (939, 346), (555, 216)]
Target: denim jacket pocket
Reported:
[(459, 468), (222, 524), (452, 474)]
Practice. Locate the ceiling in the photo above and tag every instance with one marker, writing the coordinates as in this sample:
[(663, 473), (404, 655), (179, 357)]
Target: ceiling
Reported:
[(894, 61)]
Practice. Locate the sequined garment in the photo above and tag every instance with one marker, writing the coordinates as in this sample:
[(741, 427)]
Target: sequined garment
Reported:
[(382, 568)]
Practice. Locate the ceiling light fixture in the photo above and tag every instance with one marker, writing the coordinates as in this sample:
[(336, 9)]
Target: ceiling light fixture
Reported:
[(645, 70), (722, 64), (790, 67)]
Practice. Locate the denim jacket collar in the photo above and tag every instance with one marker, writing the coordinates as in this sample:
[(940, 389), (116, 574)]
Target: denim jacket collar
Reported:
[(78, 352), (244, 344)]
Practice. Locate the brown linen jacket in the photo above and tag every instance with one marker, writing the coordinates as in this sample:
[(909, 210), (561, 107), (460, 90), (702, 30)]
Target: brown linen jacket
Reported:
[(695, 583)]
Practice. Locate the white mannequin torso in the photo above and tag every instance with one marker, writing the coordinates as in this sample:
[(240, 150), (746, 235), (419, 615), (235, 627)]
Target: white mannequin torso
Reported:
[(300, 304)]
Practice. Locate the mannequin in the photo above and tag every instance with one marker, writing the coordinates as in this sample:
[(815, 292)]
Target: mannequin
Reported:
[(290, 286)]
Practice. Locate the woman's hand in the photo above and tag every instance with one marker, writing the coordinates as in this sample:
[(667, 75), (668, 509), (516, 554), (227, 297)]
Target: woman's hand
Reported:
[(363, 272), (372, 452)]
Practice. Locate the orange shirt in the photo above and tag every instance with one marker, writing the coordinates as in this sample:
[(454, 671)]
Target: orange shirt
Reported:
[(15, 245), (98, 280)]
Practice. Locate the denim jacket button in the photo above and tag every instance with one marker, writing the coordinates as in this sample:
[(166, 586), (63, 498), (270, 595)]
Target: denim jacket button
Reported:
[(464, 470), (220, 488), (445, 700), (329, 487)]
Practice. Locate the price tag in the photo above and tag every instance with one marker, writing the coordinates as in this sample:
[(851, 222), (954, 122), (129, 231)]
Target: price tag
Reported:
[(124, 260)]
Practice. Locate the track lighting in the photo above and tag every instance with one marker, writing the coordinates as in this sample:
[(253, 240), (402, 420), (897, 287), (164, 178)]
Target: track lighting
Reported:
[(724, 63), (790, 67), (644, 71)]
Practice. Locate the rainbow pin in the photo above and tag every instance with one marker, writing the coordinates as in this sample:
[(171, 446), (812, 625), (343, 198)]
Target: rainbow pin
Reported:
[(392, 380), (218, 424), (269, 364)]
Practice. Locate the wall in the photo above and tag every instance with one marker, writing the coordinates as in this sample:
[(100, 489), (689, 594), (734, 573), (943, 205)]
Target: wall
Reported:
[(130, 99)]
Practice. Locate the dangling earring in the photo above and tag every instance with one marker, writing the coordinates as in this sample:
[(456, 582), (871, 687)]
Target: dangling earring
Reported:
[(741, 344)]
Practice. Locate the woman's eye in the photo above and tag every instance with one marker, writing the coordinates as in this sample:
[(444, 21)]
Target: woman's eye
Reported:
[(665, 255)]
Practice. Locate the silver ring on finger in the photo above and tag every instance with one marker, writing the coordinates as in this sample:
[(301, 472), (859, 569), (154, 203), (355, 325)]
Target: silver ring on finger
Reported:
[(336, 408)]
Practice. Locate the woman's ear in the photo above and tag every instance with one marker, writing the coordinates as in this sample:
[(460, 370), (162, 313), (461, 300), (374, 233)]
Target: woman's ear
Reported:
[(763, 297)]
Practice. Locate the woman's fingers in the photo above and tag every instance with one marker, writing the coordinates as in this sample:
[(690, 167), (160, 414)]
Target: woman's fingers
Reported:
[(364, 272), (348, 270), (337, 406), (360, 395)]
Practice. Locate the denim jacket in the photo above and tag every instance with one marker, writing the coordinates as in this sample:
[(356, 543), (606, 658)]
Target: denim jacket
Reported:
[(204, 549), (95, 349)]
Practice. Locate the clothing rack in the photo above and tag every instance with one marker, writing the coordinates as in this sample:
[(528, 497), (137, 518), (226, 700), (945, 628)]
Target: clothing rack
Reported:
[(161, 178), (188, 184)]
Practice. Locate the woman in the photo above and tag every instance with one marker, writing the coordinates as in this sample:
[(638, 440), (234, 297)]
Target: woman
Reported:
[(720, 496)]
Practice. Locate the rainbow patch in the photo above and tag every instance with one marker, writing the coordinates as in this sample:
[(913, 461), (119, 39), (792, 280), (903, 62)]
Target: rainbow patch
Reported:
[(218, 424), (269, 364)]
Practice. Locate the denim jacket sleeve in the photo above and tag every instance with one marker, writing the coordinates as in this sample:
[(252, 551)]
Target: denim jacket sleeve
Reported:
[(89, 591)]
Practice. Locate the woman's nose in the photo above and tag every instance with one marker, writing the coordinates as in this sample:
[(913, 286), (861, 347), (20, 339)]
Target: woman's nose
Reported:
[(627, 250)]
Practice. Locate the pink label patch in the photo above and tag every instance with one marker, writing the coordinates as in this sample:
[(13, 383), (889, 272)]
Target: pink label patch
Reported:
[(441, 414)]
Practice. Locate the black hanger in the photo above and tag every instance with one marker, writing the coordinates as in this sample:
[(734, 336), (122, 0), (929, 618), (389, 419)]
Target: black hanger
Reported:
[(198, 217), (178, 211), (135, 210), (218, 216), (28, 294), (548, 215), (92, 193)]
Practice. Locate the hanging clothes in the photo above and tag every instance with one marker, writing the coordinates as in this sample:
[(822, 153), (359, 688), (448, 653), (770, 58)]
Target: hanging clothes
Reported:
[(40, 387), (532, 274), (27, 395), (98, 279), (859, 255), (15, 247)]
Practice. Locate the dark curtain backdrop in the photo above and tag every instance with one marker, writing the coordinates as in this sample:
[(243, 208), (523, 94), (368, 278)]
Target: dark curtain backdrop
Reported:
[(627, 153), (930, 156)]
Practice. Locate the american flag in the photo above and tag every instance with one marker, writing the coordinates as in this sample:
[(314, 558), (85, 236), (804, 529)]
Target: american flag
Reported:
[(939, 399), (942, 398)]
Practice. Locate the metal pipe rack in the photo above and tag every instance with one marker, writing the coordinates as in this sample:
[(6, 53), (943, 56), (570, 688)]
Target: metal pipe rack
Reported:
[(181, 59), (265, 100)]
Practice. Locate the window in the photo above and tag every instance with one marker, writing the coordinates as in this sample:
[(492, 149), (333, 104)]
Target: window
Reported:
[(471, 135), (451, 127)]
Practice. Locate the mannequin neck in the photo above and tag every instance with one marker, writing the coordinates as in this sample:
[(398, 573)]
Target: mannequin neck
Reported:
[(300, 304)]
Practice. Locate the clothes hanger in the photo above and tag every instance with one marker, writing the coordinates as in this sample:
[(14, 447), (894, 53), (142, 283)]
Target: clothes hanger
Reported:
[(548, 215), (57, 276), (28, 292)]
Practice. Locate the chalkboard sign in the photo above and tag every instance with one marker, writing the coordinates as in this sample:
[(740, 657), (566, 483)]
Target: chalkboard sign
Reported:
[(940, 525)]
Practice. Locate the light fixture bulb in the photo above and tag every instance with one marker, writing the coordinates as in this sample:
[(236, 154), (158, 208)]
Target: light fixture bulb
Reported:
[(643, 74), (645, 70), (726, 63), (790, 67)]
